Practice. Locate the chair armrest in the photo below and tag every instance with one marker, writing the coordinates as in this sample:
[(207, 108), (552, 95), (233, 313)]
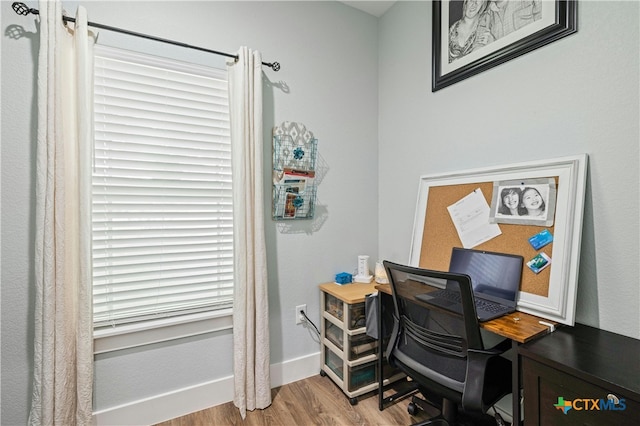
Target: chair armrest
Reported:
[(478, 359)]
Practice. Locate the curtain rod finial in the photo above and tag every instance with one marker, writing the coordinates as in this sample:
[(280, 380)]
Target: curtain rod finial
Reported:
[(22, 9)]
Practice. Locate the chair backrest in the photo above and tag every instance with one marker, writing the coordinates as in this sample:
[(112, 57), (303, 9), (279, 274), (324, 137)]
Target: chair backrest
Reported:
[(430, 339)]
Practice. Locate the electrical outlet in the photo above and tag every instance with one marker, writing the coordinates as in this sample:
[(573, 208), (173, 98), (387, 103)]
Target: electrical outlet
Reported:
[(299, 317)]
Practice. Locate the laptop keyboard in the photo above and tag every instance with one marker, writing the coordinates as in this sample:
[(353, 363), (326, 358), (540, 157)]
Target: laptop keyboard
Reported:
[(448, 295), (488, 306), (455, 297)]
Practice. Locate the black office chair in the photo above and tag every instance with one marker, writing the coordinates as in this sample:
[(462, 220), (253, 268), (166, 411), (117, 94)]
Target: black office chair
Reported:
[(439, 346)]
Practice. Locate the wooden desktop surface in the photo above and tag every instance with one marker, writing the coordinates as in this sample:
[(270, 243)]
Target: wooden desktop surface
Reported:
[(350, 293), (517, 326)]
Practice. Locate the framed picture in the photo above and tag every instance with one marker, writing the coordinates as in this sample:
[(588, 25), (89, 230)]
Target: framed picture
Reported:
[(471, 36), (524, 202), (433, 243)]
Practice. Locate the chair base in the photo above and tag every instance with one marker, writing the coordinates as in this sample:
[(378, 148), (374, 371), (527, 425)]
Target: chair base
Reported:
[(436, 421), (447, 416)]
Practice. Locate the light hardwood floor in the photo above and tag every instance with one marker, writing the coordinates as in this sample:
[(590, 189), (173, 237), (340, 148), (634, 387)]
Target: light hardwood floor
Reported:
[(313, 401)]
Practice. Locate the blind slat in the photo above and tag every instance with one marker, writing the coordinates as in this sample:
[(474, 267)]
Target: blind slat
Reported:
[(162, 192)]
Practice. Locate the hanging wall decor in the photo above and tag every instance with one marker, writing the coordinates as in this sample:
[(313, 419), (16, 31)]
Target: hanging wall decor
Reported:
[(294, 163)]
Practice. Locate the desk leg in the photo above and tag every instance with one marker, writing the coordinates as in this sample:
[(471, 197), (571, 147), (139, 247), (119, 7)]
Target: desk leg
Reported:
[(380, 355), (515, 384)]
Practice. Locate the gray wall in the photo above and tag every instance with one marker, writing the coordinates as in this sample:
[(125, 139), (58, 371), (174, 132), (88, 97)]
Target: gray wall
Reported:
[(328, 53), (576, 95)]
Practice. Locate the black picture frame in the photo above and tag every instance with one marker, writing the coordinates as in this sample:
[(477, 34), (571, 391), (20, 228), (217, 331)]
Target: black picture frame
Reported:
[(565, 24)]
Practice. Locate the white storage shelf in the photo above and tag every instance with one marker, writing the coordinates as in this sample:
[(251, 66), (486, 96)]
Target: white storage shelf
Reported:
[(349, 356)]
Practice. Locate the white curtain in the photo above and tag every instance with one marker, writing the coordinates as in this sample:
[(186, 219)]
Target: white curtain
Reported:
[(250, 307), (63, 347)]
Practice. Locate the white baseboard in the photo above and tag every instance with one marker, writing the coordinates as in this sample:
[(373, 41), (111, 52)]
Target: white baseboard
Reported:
[(294, 370), (188, 400)]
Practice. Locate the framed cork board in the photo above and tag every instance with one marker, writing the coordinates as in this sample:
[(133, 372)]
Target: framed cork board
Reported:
[(549, 293)]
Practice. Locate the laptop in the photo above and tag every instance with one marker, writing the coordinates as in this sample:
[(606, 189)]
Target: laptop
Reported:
[(495, 278)]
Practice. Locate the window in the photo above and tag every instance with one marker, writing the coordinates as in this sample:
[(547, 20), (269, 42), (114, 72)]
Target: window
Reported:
[(162, 201)]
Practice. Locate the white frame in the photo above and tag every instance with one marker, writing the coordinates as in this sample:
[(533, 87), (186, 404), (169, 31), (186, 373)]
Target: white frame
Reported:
[(560, 303)]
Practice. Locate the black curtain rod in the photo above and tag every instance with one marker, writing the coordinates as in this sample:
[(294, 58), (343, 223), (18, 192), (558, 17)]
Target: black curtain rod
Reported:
[(23, 9)]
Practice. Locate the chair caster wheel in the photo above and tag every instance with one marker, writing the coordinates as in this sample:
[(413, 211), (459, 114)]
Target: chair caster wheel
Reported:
[(353, 401), (412, 408)]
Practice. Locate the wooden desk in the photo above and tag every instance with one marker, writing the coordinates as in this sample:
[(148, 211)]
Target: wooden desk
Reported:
[(582, 363), (519, 327)]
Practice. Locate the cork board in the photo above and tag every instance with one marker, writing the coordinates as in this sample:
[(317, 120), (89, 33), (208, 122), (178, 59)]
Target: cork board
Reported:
[(440, 236), (552, 292)]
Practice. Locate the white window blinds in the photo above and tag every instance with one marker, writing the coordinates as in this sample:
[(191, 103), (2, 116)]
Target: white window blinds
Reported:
[(162, 202)]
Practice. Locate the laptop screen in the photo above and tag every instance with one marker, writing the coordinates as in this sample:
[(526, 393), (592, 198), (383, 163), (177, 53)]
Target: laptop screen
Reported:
[(495, 276)]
